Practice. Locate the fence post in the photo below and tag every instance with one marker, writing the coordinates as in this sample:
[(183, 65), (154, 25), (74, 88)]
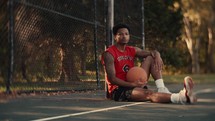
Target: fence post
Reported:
[(96, 44), (109, 35), (143, 33), (11, 45), (110, 22)]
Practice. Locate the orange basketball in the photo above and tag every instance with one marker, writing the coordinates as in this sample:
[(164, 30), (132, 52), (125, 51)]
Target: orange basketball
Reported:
[(136, 73)]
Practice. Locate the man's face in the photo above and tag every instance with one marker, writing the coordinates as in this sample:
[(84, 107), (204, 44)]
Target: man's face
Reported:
[(122, 36)]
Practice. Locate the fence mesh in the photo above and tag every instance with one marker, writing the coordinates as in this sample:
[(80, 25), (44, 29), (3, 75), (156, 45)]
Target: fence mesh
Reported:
[(55, 45)]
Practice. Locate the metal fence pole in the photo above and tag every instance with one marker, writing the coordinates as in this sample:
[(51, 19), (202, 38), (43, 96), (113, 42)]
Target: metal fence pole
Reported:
[(143, 33), (110, 22), (11, 45), (96, 44), (109, 35)]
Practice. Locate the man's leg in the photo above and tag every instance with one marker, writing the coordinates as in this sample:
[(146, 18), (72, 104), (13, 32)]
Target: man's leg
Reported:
[(139, 94), (149, 67), (184, 96)]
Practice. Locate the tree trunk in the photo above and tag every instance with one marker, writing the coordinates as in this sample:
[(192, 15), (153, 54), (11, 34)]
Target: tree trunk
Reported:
[(210, 51), (192, 46), (69, 71), (195, 60), (84, 53)]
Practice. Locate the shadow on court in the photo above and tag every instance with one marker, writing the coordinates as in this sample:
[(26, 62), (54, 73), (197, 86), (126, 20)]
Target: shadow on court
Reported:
[(93, 106)]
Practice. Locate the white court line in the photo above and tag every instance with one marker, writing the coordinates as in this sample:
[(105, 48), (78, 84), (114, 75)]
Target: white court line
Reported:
[(204, 91), (110, 108), (87, 112)]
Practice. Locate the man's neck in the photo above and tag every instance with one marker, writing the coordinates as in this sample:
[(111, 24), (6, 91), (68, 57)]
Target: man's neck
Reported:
[(121, 47)]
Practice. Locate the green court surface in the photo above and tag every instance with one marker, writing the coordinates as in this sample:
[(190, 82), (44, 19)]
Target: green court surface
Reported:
[(93, 106)]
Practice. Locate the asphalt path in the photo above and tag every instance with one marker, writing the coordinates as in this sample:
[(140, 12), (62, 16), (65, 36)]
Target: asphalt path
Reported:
[(92, 106)]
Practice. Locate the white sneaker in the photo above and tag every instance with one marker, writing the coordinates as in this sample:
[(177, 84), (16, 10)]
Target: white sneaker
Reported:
[(164, 90), (186, 95)]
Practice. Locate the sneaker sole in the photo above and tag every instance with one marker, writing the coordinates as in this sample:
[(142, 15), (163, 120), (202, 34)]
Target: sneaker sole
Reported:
[(188, 85)]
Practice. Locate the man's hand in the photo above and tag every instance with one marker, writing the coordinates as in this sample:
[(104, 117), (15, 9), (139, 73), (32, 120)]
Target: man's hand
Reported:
[(139, 83), (157, 59)]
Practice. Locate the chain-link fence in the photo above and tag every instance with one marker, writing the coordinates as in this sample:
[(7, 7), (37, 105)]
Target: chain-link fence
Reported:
[(54, 44)]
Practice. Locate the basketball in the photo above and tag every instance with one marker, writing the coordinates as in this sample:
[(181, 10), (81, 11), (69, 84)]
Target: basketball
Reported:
[(136, 73)]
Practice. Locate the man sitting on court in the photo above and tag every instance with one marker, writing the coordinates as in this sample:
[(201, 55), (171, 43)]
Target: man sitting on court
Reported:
[(119, 58)]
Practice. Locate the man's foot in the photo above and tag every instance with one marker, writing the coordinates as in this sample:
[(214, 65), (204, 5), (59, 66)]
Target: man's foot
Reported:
[(186, 95), (164, 90)]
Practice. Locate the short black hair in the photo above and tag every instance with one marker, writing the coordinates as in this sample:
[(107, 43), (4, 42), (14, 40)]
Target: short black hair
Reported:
[(119, 26)]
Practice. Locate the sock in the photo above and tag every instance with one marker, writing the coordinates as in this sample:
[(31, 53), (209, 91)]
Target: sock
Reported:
[(174, 98), (159, 83)]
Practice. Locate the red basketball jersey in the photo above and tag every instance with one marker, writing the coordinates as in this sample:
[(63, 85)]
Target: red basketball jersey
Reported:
[(123, 61)]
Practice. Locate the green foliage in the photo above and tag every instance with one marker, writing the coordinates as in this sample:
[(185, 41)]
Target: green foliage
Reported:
[(161, 22), (173, 57), (50, 35), (162, 28), (4, 44)]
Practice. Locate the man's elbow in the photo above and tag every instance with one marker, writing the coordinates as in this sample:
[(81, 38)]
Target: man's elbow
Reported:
[(112, 80)]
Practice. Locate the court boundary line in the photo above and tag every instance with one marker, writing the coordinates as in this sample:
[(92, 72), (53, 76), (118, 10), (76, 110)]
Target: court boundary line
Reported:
[(110, 108), (87, 112), (208, 90)]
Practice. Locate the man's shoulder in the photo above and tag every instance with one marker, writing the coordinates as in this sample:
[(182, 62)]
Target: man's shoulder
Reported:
[(131, 49), (111, 49)]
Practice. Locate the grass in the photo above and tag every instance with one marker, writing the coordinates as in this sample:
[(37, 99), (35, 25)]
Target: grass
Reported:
[(50, 86), (169, 79), (198, 78), (201, 79)]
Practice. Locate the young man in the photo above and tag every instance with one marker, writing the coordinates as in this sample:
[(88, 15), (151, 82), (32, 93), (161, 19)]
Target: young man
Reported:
[(119, 58)]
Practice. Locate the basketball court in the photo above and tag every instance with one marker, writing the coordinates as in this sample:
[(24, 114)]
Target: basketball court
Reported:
[(92, 105)]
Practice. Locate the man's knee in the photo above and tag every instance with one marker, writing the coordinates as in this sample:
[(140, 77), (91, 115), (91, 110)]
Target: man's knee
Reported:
[(147, 61), (149, 58)]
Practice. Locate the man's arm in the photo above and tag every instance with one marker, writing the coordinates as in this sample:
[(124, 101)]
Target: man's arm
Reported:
[(157, 65), (155, 55), (142, 53), (111, 73)]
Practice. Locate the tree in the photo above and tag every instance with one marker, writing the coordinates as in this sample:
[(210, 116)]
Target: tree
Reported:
[(198, 29), (44, 36), (4, 51), (162, 29), (210, 56), (162, 22)]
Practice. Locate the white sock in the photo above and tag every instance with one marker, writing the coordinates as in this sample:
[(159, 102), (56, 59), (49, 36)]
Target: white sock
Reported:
[(159, 83), (174, 98)]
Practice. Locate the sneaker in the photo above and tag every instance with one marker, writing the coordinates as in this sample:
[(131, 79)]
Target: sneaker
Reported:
[(186, 95), (164, 90)]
